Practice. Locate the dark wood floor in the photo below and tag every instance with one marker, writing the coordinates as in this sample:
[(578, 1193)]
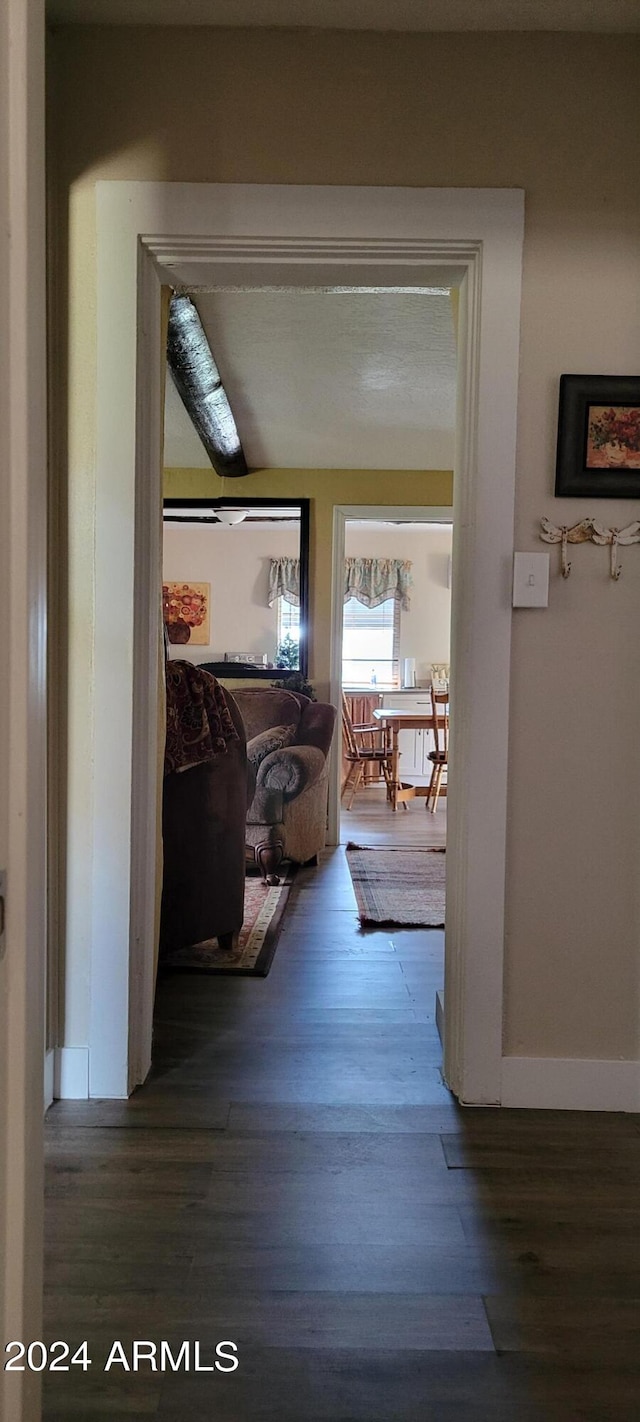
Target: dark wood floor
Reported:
[(296, 1178)]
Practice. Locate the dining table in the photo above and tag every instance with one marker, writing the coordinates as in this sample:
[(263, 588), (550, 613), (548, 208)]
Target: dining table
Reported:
[(394, 720)]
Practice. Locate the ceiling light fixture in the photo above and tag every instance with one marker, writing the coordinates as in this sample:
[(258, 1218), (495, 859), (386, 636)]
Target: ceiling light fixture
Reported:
[(230, 516)]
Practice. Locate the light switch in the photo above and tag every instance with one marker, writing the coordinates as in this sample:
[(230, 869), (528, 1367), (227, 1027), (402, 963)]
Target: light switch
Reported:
[(531, 580)]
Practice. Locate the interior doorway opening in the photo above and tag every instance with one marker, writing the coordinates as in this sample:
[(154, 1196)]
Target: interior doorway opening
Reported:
[(393, 826), (396, 636), (471, 237)]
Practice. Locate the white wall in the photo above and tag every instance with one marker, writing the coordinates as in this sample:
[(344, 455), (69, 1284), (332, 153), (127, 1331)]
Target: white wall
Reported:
[(425, 630), (235, 561)]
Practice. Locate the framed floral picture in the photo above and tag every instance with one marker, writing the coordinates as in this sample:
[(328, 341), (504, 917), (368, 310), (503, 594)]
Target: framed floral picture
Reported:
[(185, 608), (598, 454)]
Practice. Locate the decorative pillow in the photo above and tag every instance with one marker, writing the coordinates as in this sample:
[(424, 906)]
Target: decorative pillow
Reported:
[(275, 738)]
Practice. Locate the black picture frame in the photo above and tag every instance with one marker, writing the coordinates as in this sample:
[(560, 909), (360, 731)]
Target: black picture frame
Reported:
[(204, 512), (585, 401)]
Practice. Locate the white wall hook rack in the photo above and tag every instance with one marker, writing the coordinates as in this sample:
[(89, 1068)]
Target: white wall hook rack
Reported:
[(579, 533), (616, 537), (589, 531)]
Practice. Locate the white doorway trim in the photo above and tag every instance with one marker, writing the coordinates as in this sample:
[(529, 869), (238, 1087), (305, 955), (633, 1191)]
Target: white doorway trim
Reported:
[(23, 690), (190, 234)]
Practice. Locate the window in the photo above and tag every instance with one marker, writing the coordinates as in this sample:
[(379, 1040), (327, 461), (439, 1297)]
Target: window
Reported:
[(288, 621), (371, 644)]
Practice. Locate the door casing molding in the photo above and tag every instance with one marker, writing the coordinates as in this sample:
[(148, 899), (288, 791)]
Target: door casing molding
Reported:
[(150, 234), (23, 689)]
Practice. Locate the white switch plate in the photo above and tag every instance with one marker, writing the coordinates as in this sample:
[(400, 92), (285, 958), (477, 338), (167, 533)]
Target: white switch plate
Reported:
[(531, 580)]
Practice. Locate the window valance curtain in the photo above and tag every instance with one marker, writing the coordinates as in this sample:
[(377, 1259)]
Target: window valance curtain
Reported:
[(374, 580), (369, 580), (284, 580)]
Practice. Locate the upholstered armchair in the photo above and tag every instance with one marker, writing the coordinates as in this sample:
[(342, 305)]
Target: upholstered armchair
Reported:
[(288, 743), (203, 819)]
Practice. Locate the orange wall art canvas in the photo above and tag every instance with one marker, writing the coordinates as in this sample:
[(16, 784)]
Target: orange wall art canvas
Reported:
[(185, 608)]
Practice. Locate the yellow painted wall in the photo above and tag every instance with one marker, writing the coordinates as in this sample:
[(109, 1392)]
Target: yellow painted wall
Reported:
[(325, 488), (554, 114)]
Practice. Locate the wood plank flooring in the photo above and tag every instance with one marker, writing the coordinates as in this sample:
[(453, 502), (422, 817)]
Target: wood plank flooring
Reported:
[(371, 821), (296, 1178)]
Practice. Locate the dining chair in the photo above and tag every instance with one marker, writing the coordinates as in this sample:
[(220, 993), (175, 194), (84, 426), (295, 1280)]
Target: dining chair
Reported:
[(439, 756), (363, 747)]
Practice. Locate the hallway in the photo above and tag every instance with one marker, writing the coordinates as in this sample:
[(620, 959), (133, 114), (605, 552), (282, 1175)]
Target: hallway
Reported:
[(295, 1177)]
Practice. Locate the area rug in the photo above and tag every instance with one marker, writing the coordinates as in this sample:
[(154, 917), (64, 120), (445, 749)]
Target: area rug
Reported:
[(398, 887), (264, 910)]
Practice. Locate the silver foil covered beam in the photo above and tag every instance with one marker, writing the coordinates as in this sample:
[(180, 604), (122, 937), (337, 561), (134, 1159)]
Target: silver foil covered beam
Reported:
[(197, 380)]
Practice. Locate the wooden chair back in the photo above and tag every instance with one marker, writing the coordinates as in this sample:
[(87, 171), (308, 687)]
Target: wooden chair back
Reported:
[(347, 729), (440, 706)]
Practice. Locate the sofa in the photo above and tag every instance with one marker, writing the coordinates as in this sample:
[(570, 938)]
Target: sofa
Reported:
[(203, 823), (288, 743)]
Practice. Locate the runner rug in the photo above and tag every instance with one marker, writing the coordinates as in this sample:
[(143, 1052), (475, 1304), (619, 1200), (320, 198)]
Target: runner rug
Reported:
[(398, 887), (264, 910)]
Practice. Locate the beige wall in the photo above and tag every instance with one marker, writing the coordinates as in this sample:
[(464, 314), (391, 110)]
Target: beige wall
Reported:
[(557, 115), (235, 562), (324, 488)]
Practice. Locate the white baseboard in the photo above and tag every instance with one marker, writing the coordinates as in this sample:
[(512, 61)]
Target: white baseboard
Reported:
[(570, 1084), (71, 1074), (49, 1071)]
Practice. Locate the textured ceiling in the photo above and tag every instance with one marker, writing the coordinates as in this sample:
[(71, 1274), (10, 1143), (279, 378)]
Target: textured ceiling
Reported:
[(324, 380), (599, 15)]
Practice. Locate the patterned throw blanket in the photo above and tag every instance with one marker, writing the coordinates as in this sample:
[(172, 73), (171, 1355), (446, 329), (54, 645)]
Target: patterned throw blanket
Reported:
[(199, 724)]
